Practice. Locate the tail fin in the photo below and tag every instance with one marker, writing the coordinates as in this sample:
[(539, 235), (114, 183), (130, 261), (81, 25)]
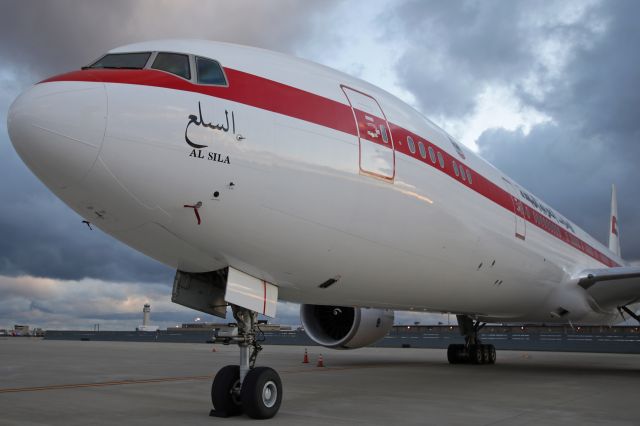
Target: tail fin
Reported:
[(614, 232)]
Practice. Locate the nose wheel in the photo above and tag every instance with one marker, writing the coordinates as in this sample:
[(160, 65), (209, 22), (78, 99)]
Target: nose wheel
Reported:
[(261, 393), (244, 388), (225, 392)]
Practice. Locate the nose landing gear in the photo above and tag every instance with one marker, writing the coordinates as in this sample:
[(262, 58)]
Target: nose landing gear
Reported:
[(472, 351), (244, 388)]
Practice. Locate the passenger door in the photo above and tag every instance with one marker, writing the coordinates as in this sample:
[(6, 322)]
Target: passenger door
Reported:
[(377, 154)]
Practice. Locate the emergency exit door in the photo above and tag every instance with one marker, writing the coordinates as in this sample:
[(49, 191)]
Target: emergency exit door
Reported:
[(377, 154)]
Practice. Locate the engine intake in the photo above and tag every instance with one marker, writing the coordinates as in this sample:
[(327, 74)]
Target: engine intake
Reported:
[(345, 327)]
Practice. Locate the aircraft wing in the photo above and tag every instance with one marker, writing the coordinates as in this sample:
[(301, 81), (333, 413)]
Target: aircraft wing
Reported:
[(612, 287)]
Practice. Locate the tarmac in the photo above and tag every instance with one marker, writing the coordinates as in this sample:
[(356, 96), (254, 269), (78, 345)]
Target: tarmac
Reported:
[(48, 382)]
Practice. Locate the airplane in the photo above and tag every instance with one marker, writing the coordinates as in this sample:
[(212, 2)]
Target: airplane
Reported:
[(260, 177)]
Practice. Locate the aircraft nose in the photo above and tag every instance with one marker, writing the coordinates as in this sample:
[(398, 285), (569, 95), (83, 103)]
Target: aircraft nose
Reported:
[(57, 128)]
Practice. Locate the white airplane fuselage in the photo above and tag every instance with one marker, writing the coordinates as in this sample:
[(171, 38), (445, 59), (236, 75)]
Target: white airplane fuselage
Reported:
[(297, 186)]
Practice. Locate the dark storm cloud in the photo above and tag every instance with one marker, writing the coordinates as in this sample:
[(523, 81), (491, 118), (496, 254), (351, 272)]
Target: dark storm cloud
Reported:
[(575, 178), (455, 50), (458, 49), (595, 139), (57, 304), (39, 235), (81, 304), (45, 37), (575, 62), (599, 88)]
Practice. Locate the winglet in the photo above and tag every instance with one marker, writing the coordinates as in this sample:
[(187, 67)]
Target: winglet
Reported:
[(614, 231)]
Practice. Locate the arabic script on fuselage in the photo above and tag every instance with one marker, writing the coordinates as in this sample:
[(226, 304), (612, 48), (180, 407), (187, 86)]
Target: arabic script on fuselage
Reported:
[(198, 120)]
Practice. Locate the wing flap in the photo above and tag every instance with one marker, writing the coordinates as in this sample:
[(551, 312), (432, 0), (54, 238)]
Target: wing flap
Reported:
[(612, 287)]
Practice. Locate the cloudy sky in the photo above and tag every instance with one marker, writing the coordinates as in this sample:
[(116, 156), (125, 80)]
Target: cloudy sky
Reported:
[(545, 90)]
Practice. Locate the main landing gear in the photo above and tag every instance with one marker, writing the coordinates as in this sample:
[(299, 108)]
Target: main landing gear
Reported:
[(472, 351), (244, 388)]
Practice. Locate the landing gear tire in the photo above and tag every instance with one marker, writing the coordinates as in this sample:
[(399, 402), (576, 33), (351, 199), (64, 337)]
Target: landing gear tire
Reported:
[(224, 391), (455, 354), (476, 354), (491, 359), (473, 351), (472, 354), (261, 393), (485, 354)]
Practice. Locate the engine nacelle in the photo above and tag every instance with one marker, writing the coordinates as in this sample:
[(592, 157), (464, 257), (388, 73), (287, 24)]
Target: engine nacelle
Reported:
[(345, 327)]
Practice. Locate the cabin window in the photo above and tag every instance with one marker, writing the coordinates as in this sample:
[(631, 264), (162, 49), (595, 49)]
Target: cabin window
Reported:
[(432, 155), (173, 63), (441, 160), (469, 176), (462, 173), (210, 72), (412, 145), (130, 61), (423, 152), (455, 168), (383, 132)]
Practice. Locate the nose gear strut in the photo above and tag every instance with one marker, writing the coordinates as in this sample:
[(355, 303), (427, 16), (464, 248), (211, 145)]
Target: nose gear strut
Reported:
[(246, 339)]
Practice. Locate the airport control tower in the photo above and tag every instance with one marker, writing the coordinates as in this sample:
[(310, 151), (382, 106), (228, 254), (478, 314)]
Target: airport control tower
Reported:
[(146, 312)]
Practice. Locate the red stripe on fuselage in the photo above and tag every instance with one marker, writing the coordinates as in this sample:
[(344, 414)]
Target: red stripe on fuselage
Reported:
[(260, 92), (243, 88)]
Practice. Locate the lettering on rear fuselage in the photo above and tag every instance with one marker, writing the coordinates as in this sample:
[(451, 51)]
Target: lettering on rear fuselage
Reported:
[(198, 149), (546, 211)]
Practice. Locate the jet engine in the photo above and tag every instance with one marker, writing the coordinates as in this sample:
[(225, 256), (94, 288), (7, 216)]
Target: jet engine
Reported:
[(345, 327)]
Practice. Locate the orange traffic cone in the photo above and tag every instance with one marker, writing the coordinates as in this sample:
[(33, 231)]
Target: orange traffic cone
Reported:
[(214, 349), (305, 360), (320, 361)]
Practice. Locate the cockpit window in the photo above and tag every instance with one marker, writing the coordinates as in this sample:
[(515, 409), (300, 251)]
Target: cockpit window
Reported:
[(173, 63), (133, 61), (210, 72)]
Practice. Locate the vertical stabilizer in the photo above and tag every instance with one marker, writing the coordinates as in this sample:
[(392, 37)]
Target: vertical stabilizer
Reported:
[(614, 231)]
